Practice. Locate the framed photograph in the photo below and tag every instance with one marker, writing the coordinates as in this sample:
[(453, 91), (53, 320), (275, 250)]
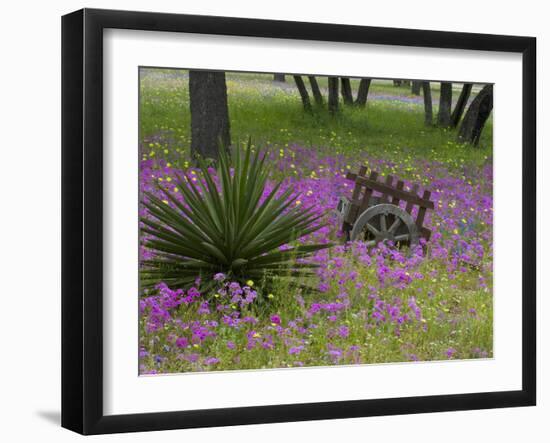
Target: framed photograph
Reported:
[(270, 221)]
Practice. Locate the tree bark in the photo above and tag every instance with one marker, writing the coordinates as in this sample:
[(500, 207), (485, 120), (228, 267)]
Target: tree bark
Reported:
[(209, 113), (279, 78), (415, 88), (333, 95), (315, 90), (303, 93), (461, 104), (347, 95), (445, 103), (476, 116), (363, 92), (428, 115)]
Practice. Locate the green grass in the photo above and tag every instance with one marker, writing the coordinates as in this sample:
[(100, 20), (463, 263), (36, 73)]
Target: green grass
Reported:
[(459, 315), (456, 309), (273, 116)]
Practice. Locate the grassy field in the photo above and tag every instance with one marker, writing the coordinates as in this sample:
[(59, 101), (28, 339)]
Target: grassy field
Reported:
[(372, 305), (271, 114)]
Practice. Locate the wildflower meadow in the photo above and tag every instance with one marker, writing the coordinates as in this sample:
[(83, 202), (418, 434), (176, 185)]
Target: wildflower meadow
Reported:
[(301, 294)]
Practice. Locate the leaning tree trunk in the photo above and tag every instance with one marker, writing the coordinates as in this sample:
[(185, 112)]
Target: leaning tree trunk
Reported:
[(303, 93), (279, 78), (476, 116), (363, 92), (428, 115), (461, 104), (347, 95), (445, 103), (415, 88), (209, 113), (315, 90), (333, 95)]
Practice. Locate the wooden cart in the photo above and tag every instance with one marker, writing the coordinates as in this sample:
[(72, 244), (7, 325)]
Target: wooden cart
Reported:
[(374, 213)]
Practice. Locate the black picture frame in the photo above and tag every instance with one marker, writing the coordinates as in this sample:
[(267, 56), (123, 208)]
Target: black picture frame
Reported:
[(82, 215)]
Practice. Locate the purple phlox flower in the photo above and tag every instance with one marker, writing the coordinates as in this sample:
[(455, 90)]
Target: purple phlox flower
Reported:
[(414, 307), (191, 358), (143, 353), (211, 361), (219, 276), (450, 352), (343, 331), (323, 287), (296, 350), (182, 342), (203, 309), (335, 354)]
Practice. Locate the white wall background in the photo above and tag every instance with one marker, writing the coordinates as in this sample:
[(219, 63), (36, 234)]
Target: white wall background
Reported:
[(30, 219)]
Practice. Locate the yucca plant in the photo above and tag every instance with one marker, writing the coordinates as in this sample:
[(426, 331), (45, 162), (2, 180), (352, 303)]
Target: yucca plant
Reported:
[(227, 227)]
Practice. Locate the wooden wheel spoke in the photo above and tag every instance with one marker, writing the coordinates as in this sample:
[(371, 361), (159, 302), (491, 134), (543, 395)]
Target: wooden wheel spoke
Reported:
[(395, 225), (383, 224), (373, 230), (402, 237)]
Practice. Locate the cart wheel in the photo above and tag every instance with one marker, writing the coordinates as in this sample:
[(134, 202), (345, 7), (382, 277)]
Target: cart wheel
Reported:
[(385, 222)]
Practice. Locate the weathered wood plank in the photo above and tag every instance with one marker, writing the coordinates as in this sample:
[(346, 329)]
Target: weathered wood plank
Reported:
[(353, 212), (426, 233), (388, 182), (422, 209), (410, 197), (368, 191), (399, 187), (352, 175), (410, 203)]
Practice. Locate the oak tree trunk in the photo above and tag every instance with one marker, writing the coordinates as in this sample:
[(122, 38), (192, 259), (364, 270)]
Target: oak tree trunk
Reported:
[(315, 90), (427, 92), (303, 92), (461, 104), (333, 95), (445, 103), (363, 92), (476, 116), (209, 113), (347, 95)]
